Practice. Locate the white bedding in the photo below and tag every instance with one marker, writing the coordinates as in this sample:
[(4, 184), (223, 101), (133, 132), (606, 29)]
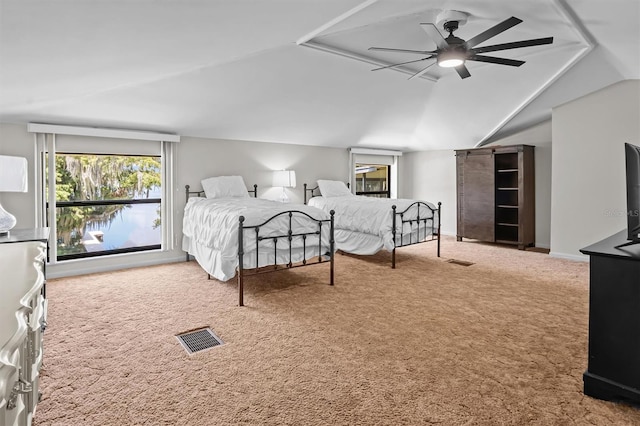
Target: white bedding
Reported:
[(373, 217), (210, 233)]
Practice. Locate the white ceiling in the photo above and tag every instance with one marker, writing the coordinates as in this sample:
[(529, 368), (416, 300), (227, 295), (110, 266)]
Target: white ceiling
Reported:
[(299, 71)]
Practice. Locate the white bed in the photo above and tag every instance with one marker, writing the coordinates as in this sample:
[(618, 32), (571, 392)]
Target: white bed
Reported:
[(272, 233), (365, 225)]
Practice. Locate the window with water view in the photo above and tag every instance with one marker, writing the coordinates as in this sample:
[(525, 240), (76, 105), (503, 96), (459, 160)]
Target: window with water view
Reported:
[(107, 204)]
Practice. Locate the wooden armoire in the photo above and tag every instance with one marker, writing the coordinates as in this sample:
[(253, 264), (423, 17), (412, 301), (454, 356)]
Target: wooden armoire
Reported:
[(496, 194)]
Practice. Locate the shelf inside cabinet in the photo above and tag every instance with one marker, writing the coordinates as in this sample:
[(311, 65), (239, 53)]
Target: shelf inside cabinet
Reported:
[(506, 161), (507, 216), (507, 233), (507, 198)]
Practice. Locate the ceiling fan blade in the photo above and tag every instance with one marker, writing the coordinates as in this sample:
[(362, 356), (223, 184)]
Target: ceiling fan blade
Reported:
[(514, 45), (494, 60), (389, 49), (422, 71), (463, 72), (493, 31), (401, 63), (435, 35)]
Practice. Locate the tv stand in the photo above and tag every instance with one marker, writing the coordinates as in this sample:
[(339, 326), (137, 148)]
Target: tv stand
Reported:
[(613, 372)]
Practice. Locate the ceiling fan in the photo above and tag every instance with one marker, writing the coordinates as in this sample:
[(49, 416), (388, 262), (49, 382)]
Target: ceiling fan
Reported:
[(453, 52)]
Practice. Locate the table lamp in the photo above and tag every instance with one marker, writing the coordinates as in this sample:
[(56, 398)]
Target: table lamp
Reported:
[(285, 179), (13, 178)]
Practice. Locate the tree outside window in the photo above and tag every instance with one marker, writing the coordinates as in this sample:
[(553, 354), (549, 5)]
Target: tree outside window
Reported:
[(107, 204)]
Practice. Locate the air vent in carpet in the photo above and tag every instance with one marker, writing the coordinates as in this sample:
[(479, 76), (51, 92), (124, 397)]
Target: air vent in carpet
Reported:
[(199, 340), (460, 262)]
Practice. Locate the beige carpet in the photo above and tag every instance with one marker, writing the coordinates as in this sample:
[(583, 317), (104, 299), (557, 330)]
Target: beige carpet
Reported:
[(503, 341)]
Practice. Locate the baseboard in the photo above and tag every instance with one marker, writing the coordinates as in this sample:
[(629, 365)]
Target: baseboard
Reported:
[(92, 266), (537, 249), (576, 257)]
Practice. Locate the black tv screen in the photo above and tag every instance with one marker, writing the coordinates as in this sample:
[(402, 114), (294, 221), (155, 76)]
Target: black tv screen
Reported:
[(632, 157)]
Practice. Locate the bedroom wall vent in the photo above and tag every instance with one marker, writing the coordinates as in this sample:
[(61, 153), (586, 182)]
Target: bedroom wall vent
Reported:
[(199, 340)]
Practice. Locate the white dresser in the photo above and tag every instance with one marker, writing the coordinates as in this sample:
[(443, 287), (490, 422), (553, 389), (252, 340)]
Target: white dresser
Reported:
[(22, 320)]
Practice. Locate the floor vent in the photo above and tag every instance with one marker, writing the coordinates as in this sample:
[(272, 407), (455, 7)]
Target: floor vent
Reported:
[(460, 262), (199, 340)]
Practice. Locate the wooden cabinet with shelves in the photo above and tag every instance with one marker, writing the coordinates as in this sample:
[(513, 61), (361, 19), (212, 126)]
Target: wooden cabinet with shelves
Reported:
[(496, 194)]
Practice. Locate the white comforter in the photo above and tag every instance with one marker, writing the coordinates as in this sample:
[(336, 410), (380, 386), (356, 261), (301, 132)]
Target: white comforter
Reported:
[(213, 224), (373, 215)]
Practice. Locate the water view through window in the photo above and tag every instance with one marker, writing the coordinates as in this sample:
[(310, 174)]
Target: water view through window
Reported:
[(107, 204)]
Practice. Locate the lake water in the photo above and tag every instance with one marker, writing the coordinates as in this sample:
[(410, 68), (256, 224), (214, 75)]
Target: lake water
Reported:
[(131, 227)]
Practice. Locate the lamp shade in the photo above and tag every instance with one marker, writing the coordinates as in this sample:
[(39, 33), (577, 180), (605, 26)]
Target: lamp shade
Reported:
[(13, 178), (13, 174), (284, 178)]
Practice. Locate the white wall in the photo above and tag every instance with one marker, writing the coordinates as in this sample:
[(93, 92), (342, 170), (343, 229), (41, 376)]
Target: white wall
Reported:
[(196, 159), (431, 175), (255, 161), (588, 190)]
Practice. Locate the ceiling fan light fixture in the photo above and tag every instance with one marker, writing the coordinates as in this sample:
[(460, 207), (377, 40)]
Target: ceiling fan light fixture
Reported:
[(451, 59), (454, 52)]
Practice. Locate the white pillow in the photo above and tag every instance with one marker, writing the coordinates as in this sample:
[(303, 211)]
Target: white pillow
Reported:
[(224, 187), (333, 188)]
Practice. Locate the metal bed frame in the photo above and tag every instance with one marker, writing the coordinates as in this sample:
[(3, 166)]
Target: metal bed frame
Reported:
[(399, 216), (288, 235)]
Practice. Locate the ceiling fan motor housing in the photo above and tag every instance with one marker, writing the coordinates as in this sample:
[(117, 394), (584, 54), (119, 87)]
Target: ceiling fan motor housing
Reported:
[(450, 26), (451, 17), (456, 53)]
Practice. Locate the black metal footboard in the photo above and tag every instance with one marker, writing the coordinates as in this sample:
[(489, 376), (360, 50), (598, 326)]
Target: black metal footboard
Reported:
[(287, 236), (429, 233), (427, 229)]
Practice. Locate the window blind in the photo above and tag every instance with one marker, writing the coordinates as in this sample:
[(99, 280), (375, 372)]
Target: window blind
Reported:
[(98, 145)]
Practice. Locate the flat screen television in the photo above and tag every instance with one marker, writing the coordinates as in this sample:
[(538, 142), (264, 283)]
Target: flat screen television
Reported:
[(632, 158)]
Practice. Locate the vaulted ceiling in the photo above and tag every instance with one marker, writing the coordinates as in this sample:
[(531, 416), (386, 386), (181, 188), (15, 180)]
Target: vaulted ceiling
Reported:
[(300, 71)]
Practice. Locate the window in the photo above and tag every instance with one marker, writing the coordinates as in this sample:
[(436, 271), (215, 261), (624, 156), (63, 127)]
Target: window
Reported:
[(106, 204), (373, 180), (374, 172), (104, 191)]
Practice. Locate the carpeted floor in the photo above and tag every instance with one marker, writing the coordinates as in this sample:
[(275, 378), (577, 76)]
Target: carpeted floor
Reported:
[(500, 342)]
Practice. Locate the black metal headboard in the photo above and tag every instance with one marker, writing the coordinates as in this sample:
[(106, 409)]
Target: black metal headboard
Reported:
[(317, 188), (312, 191), (188, 193)]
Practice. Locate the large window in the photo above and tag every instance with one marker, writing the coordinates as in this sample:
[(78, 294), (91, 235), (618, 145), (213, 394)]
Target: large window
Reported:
[(104, 192), (106, 204), (373, 180)]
